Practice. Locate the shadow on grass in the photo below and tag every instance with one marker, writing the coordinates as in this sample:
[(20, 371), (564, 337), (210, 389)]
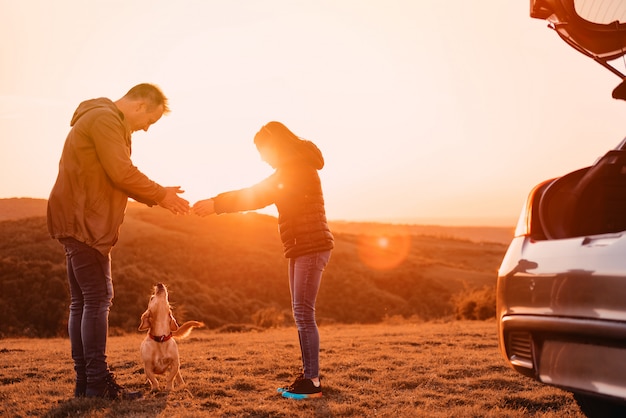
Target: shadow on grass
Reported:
[(534, 406), (322, 409), (150, 405)]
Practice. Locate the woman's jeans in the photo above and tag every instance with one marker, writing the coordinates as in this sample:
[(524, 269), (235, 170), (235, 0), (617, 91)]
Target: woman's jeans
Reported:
[(91, 293), (305, 276)]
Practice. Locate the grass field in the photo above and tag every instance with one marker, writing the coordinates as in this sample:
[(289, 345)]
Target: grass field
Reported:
[(403, 369)]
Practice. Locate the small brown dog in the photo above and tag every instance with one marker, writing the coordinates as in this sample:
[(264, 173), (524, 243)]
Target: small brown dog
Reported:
[(159, 350)]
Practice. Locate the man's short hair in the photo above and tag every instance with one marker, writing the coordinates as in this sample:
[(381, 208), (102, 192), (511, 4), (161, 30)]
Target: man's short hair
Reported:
[(151, 93)]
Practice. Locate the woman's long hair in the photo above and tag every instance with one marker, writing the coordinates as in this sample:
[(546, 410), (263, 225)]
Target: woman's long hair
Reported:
[(288, 146)]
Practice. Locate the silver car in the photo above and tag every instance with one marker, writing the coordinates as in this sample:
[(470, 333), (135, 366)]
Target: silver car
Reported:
[(561, 290)]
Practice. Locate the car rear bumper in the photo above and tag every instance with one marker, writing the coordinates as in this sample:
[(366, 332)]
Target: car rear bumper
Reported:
[(579, 355)]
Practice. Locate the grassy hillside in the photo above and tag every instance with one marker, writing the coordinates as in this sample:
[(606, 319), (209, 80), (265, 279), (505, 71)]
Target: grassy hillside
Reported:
[(229, 269), (394, 370)]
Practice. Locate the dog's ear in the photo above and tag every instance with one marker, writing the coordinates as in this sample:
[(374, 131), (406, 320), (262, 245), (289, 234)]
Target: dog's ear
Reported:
[(145, 321), (173, 323)]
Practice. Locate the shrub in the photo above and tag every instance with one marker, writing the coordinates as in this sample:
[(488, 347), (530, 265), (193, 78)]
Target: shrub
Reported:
[(477, 304)]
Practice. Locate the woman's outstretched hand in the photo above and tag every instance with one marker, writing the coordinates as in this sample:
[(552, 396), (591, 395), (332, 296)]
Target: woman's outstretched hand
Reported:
[(204, 207)]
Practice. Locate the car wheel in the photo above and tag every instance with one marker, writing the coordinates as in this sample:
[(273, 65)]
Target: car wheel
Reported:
[(593, 406)]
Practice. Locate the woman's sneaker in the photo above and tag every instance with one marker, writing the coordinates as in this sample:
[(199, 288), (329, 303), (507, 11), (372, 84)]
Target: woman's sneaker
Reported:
[(286, 388), (303, 389)]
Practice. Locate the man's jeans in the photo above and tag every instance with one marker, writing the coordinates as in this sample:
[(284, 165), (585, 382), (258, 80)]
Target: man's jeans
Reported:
[(305, 276), (91, 292)]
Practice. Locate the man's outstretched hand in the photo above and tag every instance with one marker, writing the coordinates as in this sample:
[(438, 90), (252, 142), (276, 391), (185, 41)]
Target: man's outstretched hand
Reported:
[(174, 203)]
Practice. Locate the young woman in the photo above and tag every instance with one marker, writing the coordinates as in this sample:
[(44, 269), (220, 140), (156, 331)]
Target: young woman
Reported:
[(296, 190)]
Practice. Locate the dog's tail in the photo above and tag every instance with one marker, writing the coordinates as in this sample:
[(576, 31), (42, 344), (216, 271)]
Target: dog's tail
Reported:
[(185, 329)]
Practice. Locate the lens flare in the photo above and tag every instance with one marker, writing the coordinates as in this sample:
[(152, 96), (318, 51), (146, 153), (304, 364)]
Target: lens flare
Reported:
[(384, 249)]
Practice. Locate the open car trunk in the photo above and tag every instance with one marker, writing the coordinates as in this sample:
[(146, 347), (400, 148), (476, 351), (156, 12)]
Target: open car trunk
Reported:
[(592, 200), (593, 27), (589, 201)]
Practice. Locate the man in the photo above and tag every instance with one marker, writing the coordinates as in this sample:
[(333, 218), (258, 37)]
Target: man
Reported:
[(85, 211)]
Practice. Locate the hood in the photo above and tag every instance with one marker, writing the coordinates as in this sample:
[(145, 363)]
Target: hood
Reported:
[(311, 153), (91, 104)]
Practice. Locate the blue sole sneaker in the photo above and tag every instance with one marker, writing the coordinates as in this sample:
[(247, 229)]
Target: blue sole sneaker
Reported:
[(286, 388), (303, 389), (299, 396)]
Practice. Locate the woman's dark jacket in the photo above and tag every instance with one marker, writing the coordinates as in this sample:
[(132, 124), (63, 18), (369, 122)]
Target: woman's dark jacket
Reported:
[(296, 190)]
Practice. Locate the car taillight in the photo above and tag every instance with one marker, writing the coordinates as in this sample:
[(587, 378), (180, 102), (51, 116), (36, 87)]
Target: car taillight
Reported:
[(527, 221), (523, 223)]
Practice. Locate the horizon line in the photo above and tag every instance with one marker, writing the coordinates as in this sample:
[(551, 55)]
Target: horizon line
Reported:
[(456, 221)]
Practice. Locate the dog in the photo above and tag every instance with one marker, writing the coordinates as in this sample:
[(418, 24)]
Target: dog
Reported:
[(159, 350)]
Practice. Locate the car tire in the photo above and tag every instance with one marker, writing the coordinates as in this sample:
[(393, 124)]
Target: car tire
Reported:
[(595, 407)]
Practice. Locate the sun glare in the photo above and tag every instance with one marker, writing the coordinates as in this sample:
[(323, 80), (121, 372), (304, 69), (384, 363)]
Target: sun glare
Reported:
[(384, 250)]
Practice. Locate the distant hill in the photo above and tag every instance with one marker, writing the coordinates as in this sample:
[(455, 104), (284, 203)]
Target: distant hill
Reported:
[(471, 233), (19, 208), (229, 269)]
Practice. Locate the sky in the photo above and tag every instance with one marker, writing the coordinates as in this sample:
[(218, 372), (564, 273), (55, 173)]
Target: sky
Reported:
[(426, 111)]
